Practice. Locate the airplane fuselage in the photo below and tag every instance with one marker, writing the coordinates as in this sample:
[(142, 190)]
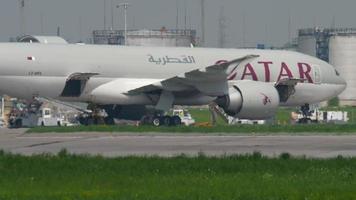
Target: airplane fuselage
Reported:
[(28, 70)]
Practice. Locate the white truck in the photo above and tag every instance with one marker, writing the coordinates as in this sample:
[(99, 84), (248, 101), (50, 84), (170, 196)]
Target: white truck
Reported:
[(185, 116), (43, 117), (46, 118)]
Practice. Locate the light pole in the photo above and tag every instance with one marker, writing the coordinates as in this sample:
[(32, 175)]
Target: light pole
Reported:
[(22, 17), (125, 6), (112, 14)]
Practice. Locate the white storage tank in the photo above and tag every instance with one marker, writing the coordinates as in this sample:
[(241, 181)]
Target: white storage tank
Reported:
[(163, 37), (342, 55)]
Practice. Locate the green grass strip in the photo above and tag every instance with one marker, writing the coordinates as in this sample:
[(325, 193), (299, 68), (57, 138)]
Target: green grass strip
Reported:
[(66, 176), (241, 129)]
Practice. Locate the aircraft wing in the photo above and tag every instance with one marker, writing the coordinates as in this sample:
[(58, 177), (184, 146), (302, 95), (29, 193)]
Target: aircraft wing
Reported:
[(211, 80)]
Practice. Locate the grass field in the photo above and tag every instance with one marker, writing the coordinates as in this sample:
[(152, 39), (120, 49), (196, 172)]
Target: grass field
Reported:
[(282, 116), (234, 177), (325, 129)]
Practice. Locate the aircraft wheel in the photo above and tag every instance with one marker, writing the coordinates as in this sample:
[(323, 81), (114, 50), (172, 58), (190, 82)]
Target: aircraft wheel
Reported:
[(166, 121), (146, 120), (109, 121), (301, 121), (176, 121), (18, 123), (90, 121), (156, 121)]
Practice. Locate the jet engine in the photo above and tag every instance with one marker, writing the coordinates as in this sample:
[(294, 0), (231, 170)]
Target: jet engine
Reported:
[(250, 100)]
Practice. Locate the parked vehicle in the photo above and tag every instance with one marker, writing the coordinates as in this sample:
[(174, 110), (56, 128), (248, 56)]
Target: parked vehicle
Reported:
[(317, 116), (185, 116), (47, 118), (44, 117)]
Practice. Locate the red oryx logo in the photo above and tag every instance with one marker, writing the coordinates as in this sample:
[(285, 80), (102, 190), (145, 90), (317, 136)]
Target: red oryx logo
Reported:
[(220, 62), (266, 99)]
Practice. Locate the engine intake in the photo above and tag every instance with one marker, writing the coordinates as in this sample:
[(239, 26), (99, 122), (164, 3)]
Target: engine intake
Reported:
[(250, 100)]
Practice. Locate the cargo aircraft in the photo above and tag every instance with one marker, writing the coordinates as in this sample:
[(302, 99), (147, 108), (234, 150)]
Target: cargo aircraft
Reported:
[(245, 83)]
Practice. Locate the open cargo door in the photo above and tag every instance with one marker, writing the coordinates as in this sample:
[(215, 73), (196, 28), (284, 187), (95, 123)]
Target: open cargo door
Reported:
[(75, 84)]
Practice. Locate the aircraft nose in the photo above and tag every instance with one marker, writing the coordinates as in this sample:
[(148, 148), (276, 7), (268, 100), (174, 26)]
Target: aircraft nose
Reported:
[(341, 83), (337, 80)]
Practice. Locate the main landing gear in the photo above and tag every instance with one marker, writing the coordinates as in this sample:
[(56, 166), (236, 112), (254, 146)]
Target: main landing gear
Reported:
[(305, 109), (129, 113), (158, 120)]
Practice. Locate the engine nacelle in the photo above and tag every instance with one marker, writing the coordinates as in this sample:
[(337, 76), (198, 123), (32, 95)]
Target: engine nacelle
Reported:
[(250, 100)]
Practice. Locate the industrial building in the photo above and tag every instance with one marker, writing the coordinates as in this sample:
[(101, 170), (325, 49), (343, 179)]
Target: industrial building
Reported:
[(163, 37), (111, 37), (338, 47)]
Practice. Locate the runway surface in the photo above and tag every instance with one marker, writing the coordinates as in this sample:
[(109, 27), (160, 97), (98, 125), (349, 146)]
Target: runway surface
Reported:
[(112, 145)]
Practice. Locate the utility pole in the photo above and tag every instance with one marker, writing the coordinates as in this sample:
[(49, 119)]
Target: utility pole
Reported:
[(80, 29), (22, 17), (222, 28), (177, 21), (333, 22), (112, 14), (244, 30), (104, 14), (58, 31), (125, 6), (41, 20), (289, 28), (202, 22), (177, 15), (185, 16)]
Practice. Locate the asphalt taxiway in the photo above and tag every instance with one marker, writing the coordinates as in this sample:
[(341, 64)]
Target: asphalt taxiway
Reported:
[(123, 144)]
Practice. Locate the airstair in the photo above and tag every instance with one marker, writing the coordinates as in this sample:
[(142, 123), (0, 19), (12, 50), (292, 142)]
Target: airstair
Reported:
[(216, 112)]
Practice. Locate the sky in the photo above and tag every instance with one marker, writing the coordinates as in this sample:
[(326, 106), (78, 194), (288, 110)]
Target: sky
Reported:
[(247, 22)]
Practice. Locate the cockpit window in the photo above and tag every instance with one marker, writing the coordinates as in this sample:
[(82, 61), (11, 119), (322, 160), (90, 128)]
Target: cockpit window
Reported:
[(337, 73)]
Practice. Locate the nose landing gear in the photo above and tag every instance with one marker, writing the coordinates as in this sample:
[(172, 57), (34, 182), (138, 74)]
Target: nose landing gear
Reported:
[(305, 110), (307, 113)]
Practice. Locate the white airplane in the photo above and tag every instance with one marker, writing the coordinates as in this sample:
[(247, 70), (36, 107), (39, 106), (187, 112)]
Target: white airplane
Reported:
[(248, 84)]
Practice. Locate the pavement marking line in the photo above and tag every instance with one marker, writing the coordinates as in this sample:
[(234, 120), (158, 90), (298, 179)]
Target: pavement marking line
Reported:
[(49, 137), (43, 144)]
